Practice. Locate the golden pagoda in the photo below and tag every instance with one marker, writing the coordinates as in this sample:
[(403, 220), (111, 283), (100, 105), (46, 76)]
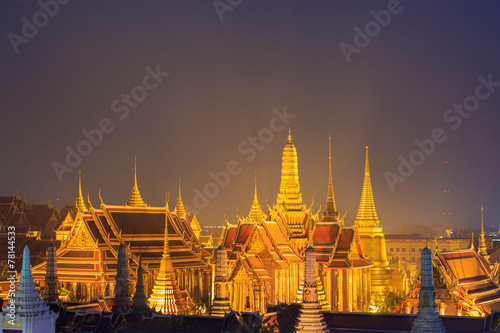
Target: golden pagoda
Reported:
[(166, 296), (289, 197), (80, 204), (135, 199), (371, 236)]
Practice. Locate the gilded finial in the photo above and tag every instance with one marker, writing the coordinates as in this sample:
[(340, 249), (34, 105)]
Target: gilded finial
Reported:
[(179, 207), (135, 199), (330, 213), (289, 135), (80, 203), (135, 170), (482, 225), (180, 197), (255, 211), (427, 243)]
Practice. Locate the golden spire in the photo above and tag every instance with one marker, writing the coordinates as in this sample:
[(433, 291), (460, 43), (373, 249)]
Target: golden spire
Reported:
[(482, 242), (80, 204), (367, 215), (255, 212), (135, 199), (166, 296), (330, 213), (289, 195), (179, 207)]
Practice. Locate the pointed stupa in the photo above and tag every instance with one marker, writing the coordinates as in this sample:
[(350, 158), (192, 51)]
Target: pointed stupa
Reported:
[(330, 214), (289, 195), (135, 199), (256, 213), (179, 207), (166, 296), (372, 238), (482, 241), (80, 203), (51, 281), (427, 317), (30, 311), (310, 318), (367, 215), (140, 301)]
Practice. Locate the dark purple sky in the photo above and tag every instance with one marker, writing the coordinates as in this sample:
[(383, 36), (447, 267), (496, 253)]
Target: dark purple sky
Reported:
[(226, 77)]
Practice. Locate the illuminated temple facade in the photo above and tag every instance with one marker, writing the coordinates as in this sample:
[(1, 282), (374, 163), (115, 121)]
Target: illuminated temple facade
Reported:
[(266, 251), (259, 260), (176, 268)]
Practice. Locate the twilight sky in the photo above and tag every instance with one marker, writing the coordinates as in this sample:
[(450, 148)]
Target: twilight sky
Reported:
[(424, 71)]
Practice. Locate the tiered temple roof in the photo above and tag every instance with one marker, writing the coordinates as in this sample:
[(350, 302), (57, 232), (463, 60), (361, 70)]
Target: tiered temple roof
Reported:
[(90, 241), (469, 277)]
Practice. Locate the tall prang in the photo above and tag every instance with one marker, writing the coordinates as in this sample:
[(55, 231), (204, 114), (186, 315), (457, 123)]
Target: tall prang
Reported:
[(330, 214), (221, 303), (371, 236), (310, 318), (51, 281), (26, 311), (166, 296), (289, 196), (122, 296), (427, 317), (135, 199)]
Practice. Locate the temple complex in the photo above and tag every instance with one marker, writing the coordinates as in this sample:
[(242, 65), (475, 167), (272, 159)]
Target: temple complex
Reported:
[(91, 236), (266, 250)]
